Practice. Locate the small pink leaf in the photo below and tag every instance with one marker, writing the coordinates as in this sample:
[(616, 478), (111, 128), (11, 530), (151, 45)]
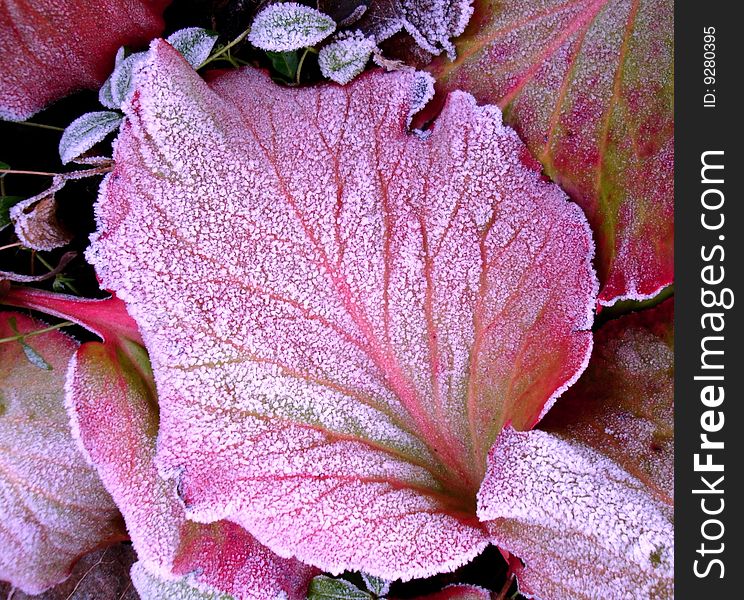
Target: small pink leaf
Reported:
[(588, 85), (53, 508), (342, 315), (111, 398), (51, 48), (623, 404), (584, 527)]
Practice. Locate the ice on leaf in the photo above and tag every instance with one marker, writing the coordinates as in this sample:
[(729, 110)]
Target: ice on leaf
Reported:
[(289, 26), (584, 527), (51, 48), (53, 508), (194, 43), (85, 132), (588, 85), (341, 314), (344, 58), (113, 408), (623, 405)]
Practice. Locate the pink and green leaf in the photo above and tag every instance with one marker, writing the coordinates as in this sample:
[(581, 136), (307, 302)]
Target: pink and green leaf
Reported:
[(583, 526), (623, 404), (51, 48), (588, 86), (341, 314), (113, 406), (53, 508)]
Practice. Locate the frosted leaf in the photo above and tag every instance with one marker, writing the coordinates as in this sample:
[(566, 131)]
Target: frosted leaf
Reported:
[(329, 588), (152, 586), (623, 405), (589, 87), (122, 78), (105, 94), (51, 48), (342, 315), (431, 23), (194, 43), (583, 526), (53, 508), (113, 410), (85, 132), (345, 58), (377, 585), (289, 26), (36, 223)]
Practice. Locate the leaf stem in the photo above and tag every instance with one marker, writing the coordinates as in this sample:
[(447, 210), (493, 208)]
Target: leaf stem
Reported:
[(9, 246), (21, 336), (302, 61), (39, 125), (224, 49), (17, 172)]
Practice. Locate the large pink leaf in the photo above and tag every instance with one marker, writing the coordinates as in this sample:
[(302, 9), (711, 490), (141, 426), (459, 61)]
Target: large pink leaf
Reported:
[(53, 47), (341, 315), (588, 86), (53, 508), (113, 406), (623, 405), (584, 527)]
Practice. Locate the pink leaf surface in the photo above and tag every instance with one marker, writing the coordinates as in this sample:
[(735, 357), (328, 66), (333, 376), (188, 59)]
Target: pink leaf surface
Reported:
[(112, 402), (341, 315), (51, 48), (623, 405), (53, 508), (588, 86), (107, 318), (460, 592), (583, 526)]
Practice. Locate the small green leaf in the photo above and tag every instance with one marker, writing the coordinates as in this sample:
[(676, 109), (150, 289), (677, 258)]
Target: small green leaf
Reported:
[(194, 44), (284, 63), (6, 202), (289, 26), (85, 132), (345, 58), (377, 585), (328, 588), (3, 165)]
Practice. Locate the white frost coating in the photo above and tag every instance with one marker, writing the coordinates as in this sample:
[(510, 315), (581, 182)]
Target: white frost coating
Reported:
[(584, 527), (289, 26), (152, 586), (105, 94), (432, 23), (85, 132), (122, 79), (53, 507), (344, 58), (194, 43), (323, 587), (341, 315), (376, 585)]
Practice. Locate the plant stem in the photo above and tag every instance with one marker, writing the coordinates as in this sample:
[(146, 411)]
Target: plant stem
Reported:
[(505, 590), (21, 336), (224, 49), (11, 246), (302, 61), (17, 172), (40, 125)]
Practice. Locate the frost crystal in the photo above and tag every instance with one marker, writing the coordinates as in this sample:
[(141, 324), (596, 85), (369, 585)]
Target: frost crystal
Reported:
[(341, 315), (85, 132), (194, 43), (345, 58), (584, 527), (289, 26)]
